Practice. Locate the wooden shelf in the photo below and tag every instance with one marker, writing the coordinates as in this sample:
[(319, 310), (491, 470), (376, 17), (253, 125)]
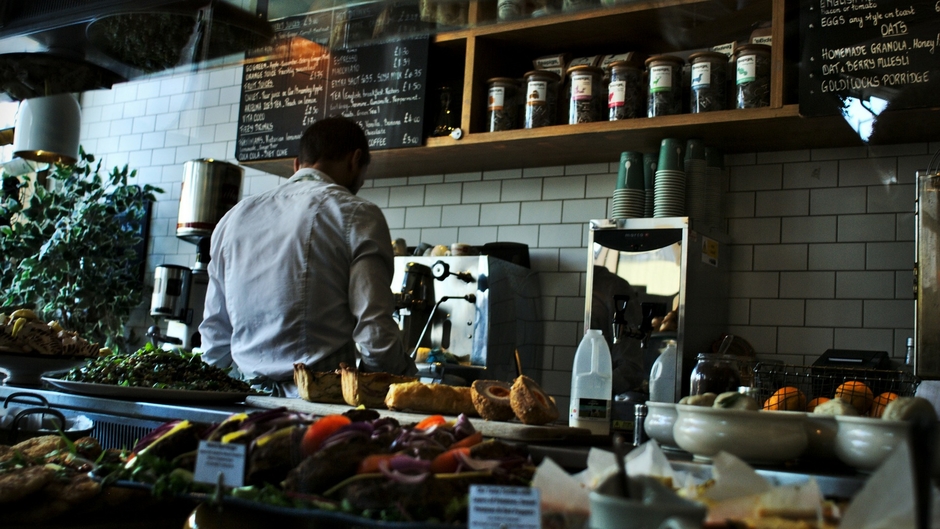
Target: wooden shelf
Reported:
[(731, 131), (649, 26)]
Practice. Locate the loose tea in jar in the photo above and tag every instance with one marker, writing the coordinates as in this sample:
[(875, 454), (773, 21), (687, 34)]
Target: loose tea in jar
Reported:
[(541, 88), (714, 373), (625, 92), (709, 81), (752, 75), (501, 104), (665, 85), (587, 102)]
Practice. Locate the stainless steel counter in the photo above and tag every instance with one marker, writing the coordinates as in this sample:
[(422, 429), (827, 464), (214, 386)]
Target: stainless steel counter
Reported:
[(120, 423)]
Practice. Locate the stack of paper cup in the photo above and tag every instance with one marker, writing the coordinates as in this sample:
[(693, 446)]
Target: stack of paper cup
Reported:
[(714, 176), (669, 197), (630, 196), (650, 160), (696, 184)]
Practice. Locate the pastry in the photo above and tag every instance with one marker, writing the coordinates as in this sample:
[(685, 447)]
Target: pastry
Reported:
[(367, 389), (491, 399), (530, 404), (430, 398), (909, 409), (835, 407), (318, 386), (732, 400)]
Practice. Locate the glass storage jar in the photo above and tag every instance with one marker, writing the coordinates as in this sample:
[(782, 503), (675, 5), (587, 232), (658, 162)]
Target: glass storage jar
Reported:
[(586, 103), (714, 373), (665, 85), (752, 76), (541, 99), (625, 92), (501, 103), (709, 81)]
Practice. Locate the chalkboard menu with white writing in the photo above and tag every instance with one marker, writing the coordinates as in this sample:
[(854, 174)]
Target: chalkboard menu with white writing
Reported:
[(879, 54), (297, 80)]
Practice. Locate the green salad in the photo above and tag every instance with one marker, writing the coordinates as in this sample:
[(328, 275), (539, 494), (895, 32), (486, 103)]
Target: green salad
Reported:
[(150, 367)]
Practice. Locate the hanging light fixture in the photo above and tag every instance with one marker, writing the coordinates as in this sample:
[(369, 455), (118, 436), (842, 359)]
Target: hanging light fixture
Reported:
[(47, 129)]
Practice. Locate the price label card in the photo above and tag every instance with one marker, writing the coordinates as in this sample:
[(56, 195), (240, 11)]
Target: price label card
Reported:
[(215, 458), (499, 507)]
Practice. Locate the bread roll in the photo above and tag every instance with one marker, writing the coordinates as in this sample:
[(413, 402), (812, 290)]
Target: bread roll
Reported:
[(835, 406), (909, 409), (430, 398)]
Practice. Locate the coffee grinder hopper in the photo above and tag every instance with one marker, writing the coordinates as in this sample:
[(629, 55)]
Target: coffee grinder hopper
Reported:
[(210, 189)]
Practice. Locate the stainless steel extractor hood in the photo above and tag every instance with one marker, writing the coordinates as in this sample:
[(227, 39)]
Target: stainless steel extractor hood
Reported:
[(54, 46)]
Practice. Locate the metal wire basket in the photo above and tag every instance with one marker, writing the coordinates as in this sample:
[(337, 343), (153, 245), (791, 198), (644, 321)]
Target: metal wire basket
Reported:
[(823, 381)]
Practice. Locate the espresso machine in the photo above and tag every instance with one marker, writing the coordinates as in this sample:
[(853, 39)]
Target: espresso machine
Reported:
[(210, 189), (467, 317)]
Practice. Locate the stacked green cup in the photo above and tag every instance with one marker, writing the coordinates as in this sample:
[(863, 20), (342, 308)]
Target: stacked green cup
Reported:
[(630, 195), (669, 197)]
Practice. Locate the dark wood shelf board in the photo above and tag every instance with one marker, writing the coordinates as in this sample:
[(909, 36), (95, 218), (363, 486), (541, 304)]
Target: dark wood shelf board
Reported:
[(652, 26)]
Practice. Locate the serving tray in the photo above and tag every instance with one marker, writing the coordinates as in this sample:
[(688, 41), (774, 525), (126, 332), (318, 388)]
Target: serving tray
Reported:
[(514, 431), (144, 394)]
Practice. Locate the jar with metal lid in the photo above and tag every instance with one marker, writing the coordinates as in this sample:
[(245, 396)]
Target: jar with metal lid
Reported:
[(665, 85), (586, 103), (625, 92), (541, 100), (501, 103), (709, 81), (714, 373), (752, 76)]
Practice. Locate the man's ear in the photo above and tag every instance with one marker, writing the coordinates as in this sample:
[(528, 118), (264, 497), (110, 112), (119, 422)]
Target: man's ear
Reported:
[(356, 159), (296, 164)]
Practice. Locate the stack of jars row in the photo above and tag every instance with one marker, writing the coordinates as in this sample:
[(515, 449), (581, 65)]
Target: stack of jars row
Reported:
[(632, 92)]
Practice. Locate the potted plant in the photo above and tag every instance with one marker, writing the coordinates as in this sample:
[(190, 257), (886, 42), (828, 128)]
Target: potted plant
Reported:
[(73, 249)]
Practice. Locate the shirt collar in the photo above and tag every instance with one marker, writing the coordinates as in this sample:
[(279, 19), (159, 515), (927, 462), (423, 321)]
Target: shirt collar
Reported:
[(310, 174)]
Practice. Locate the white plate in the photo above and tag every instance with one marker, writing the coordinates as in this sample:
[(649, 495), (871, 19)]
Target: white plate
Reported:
[(145, 394), (27, 369)]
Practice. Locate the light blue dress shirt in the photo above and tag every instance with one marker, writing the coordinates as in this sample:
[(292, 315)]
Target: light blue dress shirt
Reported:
[(302, 273)]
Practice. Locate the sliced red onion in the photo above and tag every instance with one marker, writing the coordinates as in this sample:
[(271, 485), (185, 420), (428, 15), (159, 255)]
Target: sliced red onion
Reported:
[(406, 470), (475, 464), (463, 427)]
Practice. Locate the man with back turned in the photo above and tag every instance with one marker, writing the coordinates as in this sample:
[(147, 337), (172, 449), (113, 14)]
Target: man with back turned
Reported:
[(302, 273)]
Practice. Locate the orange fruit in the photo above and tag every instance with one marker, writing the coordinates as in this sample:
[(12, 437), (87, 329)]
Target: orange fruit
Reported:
[(787, 398), (881, 402), (857, 394), (815, 402)]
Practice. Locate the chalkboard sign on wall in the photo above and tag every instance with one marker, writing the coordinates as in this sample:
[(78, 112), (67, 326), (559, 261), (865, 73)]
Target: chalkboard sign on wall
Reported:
[(297, 80), (882, 54)]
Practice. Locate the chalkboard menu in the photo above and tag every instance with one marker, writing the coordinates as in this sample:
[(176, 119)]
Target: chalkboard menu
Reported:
[(882, 54), (298, 79)]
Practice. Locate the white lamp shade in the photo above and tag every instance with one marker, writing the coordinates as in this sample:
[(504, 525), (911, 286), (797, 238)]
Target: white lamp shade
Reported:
[(47, 129)]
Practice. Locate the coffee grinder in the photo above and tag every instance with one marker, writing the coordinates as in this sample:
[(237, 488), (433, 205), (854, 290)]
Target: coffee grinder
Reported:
[(210, 189)]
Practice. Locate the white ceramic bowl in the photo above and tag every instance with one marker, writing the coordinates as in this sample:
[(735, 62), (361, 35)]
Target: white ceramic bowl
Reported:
[(754, 436), (864, 442), (821, 435), (660, 419)]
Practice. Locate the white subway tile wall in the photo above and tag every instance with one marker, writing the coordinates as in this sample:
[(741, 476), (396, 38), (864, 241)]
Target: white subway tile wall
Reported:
[(822, 240)]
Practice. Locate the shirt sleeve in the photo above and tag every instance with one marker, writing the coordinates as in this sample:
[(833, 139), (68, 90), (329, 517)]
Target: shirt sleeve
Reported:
[(216, 328), (370, 295)]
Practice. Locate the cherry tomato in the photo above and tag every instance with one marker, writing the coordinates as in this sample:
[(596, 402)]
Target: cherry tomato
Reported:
[(320, 431), (370, 465), (470, 440), (448, 462), (433, 420)]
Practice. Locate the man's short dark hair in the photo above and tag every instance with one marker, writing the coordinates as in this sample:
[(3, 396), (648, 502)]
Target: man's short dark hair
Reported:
[(332, 139)]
